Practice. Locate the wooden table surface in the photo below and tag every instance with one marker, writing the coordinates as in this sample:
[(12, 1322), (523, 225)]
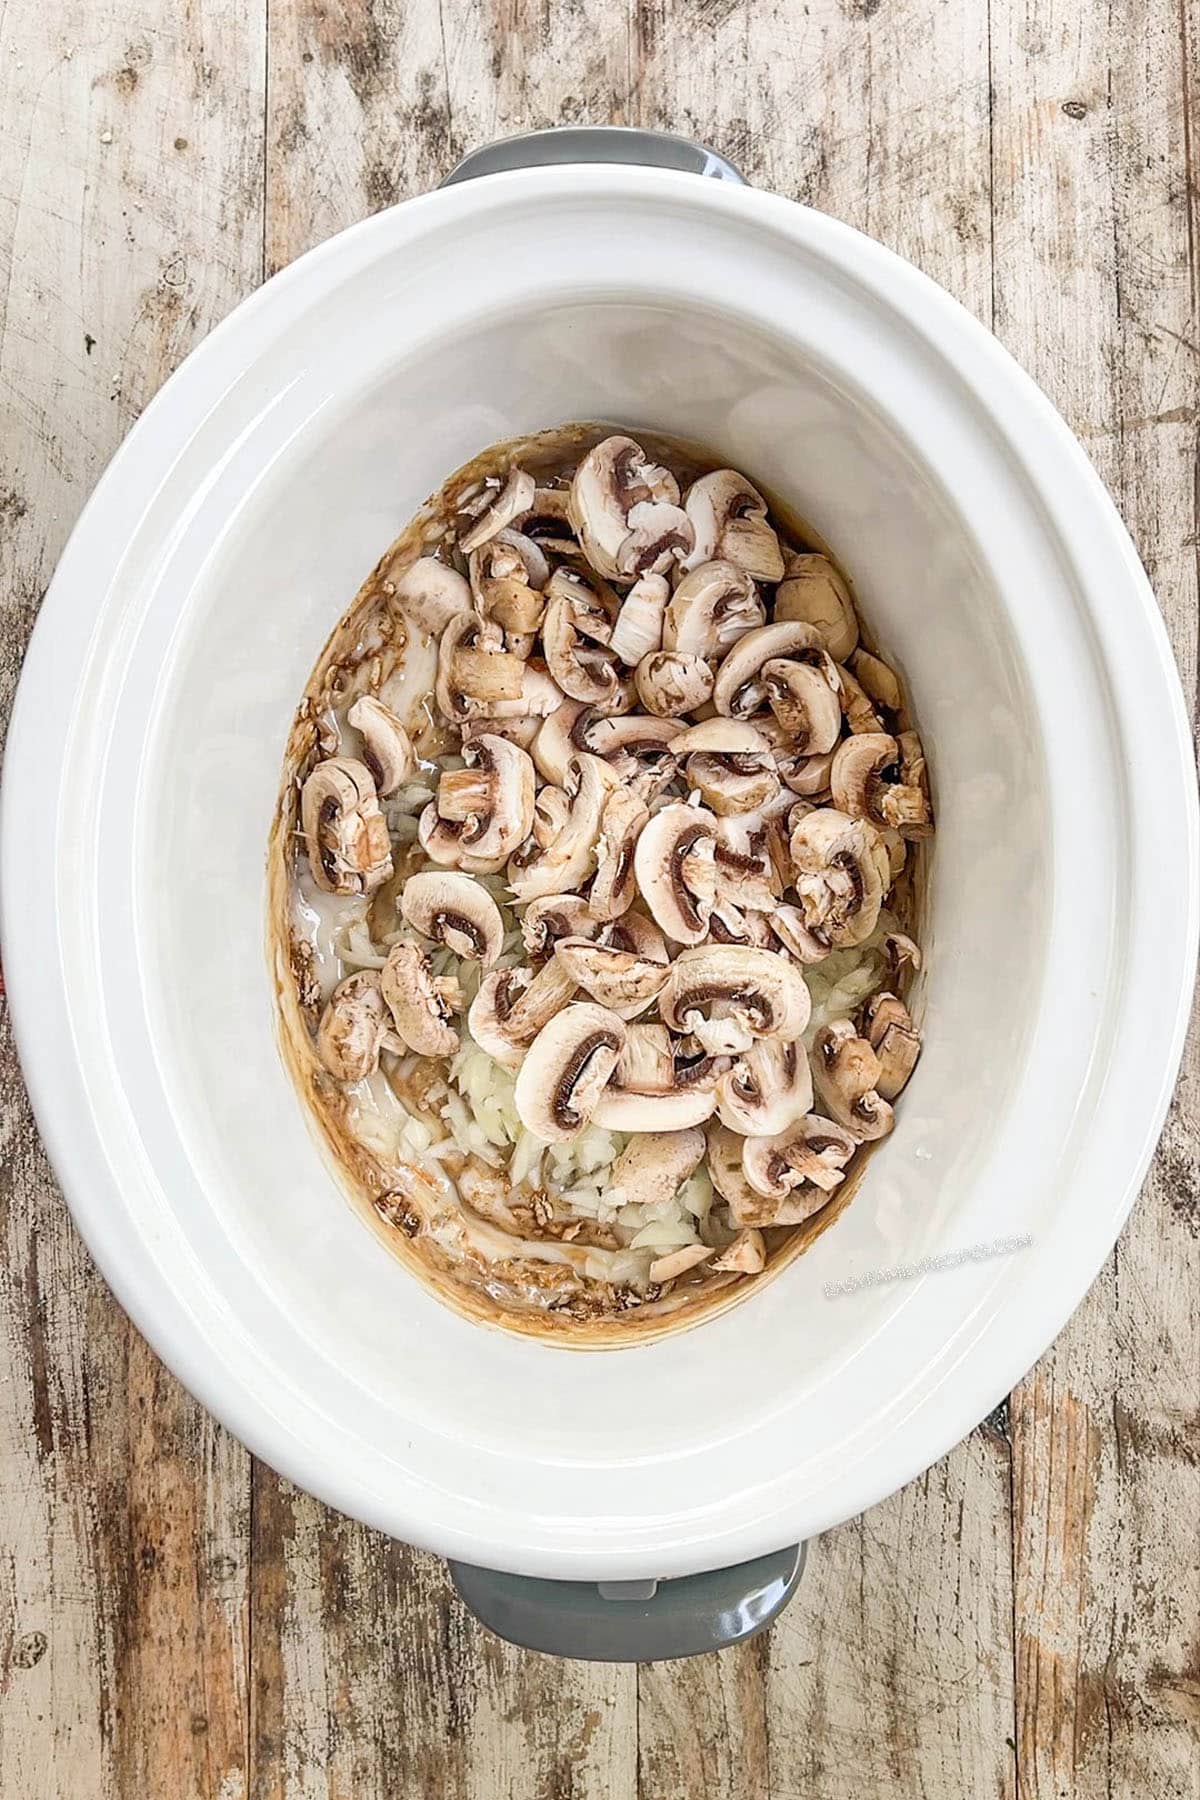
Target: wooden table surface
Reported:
[(177, 1621)]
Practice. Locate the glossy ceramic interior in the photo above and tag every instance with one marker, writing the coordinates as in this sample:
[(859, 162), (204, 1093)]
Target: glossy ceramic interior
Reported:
[(220, 549)]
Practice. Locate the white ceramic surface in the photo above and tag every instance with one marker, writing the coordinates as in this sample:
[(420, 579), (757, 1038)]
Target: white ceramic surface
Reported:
[(231, 529)]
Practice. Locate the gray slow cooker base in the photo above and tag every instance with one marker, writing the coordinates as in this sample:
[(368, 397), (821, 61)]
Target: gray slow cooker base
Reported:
[(623, 1621)]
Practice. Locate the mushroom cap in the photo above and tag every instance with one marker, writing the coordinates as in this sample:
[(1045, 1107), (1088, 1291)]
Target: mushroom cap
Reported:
[(417, 1003), (651, 1169), (456, 911), (846, 1071), (616, 978), (712, 607), (352, 1027), (431, 593), (566, 1069), (639, 625), (481, 812), (807, 776), (674, 866), (565, 864), (673, 682), (621, 822), (760, 993), (721, 737), (741, 687), (511, 1007), (620, 498), (813, 590), (879, 680), (838, 876), (345, 833), (556, 916), (729, 518), (799, 1166), (768, 1087), (387, 747), (513, 499)]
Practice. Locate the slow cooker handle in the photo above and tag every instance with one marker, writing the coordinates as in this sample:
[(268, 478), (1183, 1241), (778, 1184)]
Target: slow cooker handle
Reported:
[(633, 1621), (595, 144)]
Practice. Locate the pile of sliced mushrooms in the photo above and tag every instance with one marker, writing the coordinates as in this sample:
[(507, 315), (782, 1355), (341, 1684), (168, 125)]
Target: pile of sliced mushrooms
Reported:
[(695, 785)]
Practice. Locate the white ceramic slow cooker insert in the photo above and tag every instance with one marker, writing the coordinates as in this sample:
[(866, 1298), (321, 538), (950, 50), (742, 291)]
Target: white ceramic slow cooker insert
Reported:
[(219, 549)]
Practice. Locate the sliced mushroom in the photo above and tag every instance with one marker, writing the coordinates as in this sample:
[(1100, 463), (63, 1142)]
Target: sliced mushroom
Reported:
[(711, 609), (806, 1160), (902, 954), (512, 1006), (861, 788), (557, 916), (813, 590), (678, 1262), (555, 743), (418, 1002), (729, 518), (767, 1089), (551, 810), (857, 706), (791, 928), (730, 925), (621, 822), (626, 512), (617, 978), (455, 911), (674, 866), (514, 498), (352, 1028), (639, 626), (387, 747), (431, 594), (483, 811), (838, 876), (517, 731), (749, 1209), (727, 995), (577, 655), (637, 748), (846, 1072), (805, 703), (673, 682), (548, 522), (345, 834), (807, 776), (475, 673), (647, 1063), (889, 1029), (651, 1170), (741, 686), (745, 877), (630, 1109), (568, 862), (879, 681), (746, 1255), (508, 574), (566, 1070)]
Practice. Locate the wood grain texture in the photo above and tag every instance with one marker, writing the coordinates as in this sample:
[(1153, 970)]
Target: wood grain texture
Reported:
[(1025, 1618)]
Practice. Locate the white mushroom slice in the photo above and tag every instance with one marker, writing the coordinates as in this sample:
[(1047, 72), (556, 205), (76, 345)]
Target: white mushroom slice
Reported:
[(727, 995), (517, 731), (746, 1255), (902, 954), (455, 911), (431, 593), (730, 764), (557, 916), (860, 787), (551, 810), (637, 748), (805, 1160), (593, 605), (678, 1262), (792, 930), (730, 925), (625, 510), (507, 576), (630, 1110), (639, 626), (745, 878), (619, 979), (556, 744), (567, 863), (673, 682), (477, 677), (647, 1063), (766, 1090), (711, 609), (857, 707), (674, 866), (889, 1029), (566, 1070), (352, 1028), (807, 776), (621, 822), (578, 659), (729, 518), (514, 498), (548, 522), (741, 687), (879, 681), (483, 811), (915, 776), (804, 702), (345, 834), (419, 1004), (846, 1071), (387, 747), (651, 1169), (639, 935), (838, 876), (512, 1006), (813, 590), (747, 1207)]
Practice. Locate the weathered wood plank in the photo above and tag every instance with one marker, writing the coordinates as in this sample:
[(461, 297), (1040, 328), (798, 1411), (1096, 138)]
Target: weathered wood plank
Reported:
[(1096, 288), (130, 220)]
